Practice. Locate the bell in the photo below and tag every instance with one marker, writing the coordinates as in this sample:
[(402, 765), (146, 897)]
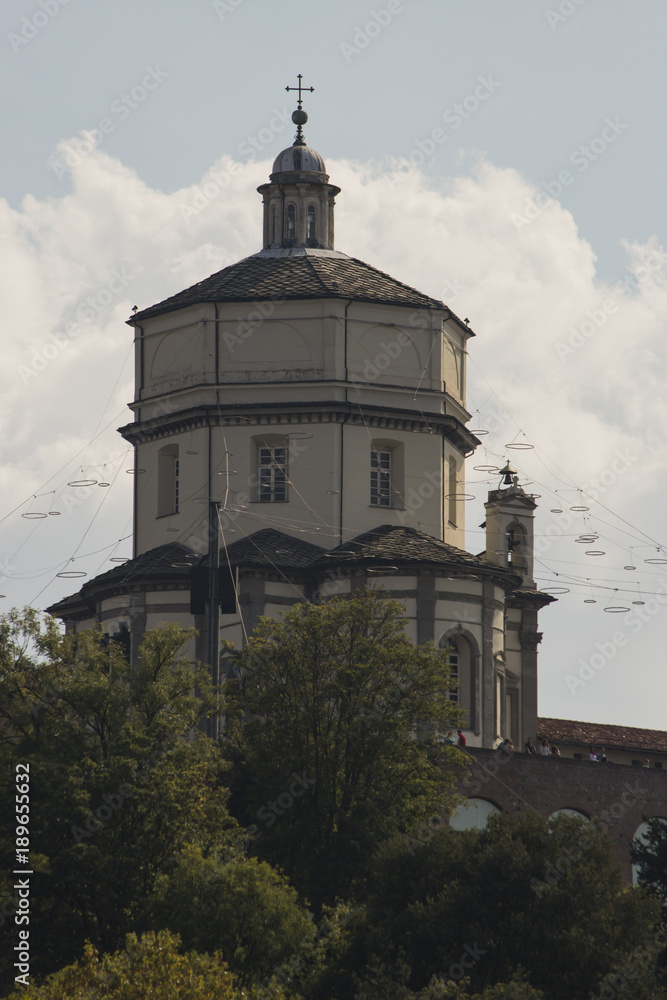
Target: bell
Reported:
[(507, 473)]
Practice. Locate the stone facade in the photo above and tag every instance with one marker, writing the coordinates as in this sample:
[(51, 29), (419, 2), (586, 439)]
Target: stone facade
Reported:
[(304, 415)]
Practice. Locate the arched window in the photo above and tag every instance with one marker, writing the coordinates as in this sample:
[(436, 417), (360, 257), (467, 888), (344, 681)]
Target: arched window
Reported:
[(573, 813), (453, 665), (461, 659), (516, 545), (168, 480), (311, 229), (641, 837), (473, 814), (290, 222), (274, 220)]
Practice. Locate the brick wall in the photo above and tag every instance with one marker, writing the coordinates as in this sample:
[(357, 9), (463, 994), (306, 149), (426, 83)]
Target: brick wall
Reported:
[(619, 796)]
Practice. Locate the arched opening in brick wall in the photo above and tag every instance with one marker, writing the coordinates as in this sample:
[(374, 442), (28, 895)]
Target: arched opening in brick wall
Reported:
[(567, 811), (641, 837), (473, 814)]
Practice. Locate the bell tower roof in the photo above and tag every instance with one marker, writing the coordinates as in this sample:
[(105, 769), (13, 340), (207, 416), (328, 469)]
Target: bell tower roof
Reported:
[(298, 200), (299, 158)]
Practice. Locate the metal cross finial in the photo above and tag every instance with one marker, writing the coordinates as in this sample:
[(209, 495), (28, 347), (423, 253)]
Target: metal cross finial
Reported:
[(300, 88)]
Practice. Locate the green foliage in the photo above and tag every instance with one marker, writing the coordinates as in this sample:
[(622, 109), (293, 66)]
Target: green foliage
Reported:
[(315, 974), (379, 984), (323, 729), (130, 831), (149, 968), (652, 857), (245, 910), (516, 989), (652, 860), (120, 779), (521, 893)]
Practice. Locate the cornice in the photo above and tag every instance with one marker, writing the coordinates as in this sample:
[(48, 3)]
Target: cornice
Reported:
[(296, 415)]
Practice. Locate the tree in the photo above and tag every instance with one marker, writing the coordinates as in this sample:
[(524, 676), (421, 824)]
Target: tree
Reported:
[(243, 909), (120, 779), (523, 893), (384, 988), (650, 853), (149, 968), (336, 727)]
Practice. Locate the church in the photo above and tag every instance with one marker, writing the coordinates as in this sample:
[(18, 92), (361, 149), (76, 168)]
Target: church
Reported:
[(300, 431)]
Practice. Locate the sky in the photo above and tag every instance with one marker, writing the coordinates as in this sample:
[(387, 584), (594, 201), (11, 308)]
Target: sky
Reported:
[(507, 159)]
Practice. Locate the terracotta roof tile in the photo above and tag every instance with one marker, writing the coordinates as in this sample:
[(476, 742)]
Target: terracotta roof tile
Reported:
[(599, 734)]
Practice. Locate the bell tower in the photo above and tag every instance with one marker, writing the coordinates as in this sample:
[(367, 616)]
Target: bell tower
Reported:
[(509, 527), (509, 543)]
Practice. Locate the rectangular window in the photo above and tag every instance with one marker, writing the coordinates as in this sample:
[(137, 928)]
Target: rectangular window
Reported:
[(272, 475), (381, 478), (176, 485)]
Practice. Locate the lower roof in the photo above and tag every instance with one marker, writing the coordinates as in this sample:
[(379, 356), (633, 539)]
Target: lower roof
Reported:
[(598, 734), (384, 549)]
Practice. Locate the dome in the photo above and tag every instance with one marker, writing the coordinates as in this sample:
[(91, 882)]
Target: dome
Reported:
[(298, 158)]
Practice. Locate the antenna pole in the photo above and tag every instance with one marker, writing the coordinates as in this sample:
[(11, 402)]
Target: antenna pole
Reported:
[(213, 617)]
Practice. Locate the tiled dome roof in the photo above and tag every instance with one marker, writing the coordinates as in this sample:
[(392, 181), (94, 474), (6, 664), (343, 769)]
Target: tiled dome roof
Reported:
[(300, 159)]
